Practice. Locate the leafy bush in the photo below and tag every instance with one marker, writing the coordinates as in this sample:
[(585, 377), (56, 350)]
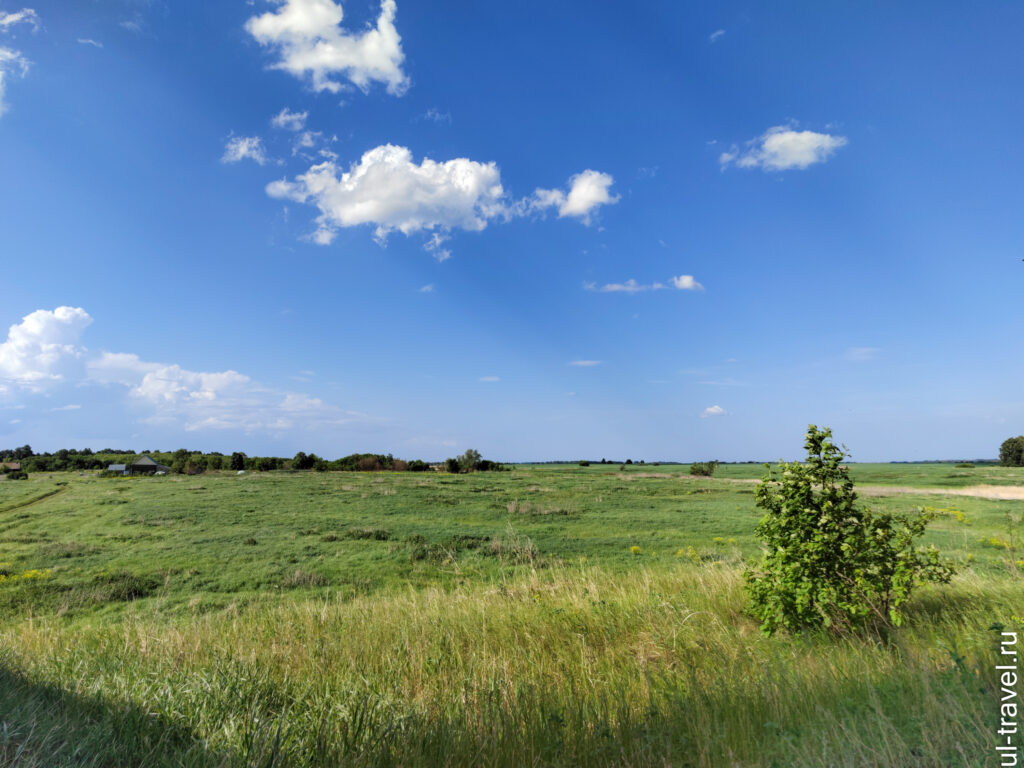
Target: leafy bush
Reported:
[(584, 463), (469, 460), (17, 474), (965, 465), (1011, 452), (416, 465), (452, 465), (703, 468), (830, 562)]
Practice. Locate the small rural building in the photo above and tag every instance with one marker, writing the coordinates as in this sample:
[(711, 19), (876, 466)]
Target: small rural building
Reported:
[(145, 465), (13, 466), (121, 468)]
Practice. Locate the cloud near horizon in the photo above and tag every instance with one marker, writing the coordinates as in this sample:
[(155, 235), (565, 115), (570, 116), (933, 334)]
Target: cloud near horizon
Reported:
[(781, 148), (308, 39), (43, 352)]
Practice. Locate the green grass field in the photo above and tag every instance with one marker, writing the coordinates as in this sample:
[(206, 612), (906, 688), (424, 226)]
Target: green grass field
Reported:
[(550, 615)]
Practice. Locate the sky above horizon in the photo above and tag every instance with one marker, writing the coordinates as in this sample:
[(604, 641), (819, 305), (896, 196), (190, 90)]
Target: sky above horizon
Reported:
[(673, 231)]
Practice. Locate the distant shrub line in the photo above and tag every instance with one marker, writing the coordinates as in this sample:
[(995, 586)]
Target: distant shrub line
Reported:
[(186, 462)]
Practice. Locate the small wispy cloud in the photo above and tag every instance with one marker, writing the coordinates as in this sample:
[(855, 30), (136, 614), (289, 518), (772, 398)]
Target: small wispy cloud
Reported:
[(239, 148), (715, 36), (782, 148), (861, 354), (66, 408), (490, 378), (713, 410), (585, 363), (89, 41), (24, 16), (682, 283), (435, 115), (290, 121), (428, 288)]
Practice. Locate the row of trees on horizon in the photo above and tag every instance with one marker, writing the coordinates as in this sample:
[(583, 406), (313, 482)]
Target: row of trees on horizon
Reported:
[(184, 461)]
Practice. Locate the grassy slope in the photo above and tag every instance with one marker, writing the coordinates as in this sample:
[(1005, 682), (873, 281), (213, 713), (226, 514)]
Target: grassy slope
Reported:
[(159, 636)]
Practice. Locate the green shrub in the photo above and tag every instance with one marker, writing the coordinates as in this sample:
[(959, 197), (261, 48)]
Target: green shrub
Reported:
[(17, 474), (965, 465), (703, 468), (830, 562), (584, 463)]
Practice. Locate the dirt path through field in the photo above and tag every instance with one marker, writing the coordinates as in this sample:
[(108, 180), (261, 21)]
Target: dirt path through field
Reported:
[(1004, 492)]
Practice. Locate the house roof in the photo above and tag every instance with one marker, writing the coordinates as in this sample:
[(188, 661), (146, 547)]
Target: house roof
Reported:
[(11, 464), (117, 468), (144, 461)]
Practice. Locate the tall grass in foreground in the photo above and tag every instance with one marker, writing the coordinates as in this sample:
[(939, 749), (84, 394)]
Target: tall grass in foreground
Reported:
[(563, 667)]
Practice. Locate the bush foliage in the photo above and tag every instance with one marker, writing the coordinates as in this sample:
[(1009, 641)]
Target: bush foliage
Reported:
[(830, 562), (703, 468)]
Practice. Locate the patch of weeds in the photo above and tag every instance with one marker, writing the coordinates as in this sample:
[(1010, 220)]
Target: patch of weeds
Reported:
[(377, 534), (66, 549), (512, 546), (250, 542), (121, 586)]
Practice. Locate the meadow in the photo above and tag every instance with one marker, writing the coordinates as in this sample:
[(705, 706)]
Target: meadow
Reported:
[(548, 615)]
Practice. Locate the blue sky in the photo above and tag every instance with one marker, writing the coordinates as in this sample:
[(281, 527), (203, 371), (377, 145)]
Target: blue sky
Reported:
[(548, 230)]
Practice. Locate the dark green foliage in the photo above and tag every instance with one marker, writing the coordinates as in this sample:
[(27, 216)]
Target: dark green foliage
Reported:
[(303, 461), (584, 463), (965, 465), (703, 468), (469, 460), (17, 474), (1011, 452), (452, 466), (417, 466), (830, 562), (237, 461)]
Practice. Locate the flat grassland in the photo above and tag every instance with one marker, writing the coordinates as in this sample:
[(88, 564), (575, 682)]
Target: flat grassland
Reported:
[(549, 615)]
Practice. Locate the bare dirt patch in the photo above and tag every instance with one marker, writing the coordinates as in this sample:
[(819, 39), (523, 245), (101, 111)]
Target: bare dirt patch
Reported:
[(1006, 492)]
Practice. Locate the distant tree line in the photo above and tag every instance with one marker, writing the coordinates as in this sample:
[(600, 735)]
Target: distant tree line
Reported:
[(186, 462)]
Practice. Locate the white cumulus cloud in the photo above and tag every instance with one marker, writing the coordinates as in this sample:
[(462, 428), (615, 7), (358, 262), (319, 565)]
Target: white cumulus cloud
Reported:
[(686, 283), (38, 350), (200, 400), (239, 148), (782, 148), (308, 37), (587, 192), (390, 191), (713, 410)]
